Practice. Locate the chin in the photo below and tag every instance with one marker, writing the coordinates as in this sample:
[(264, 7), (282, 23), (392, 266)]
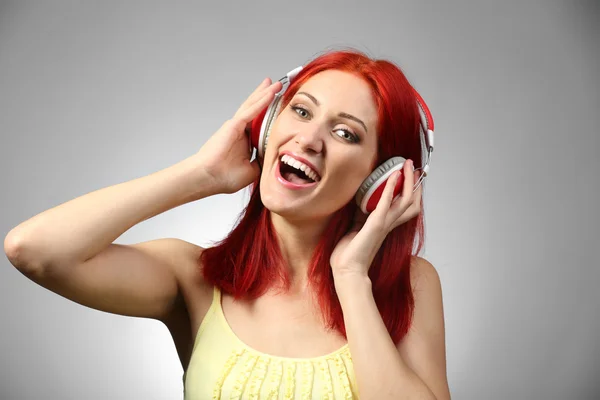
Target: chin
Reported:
[(298, 212), (297, 205), (283, 207)]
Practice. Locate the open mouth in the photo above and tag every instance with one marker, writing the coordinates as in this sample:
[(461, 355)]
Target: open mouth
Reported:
[(296, 173)]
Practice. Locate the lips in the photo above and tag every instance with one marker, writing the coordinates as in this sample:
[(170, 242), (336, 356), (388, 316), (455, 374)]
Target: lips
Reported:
[(302, 160), (288, 184)]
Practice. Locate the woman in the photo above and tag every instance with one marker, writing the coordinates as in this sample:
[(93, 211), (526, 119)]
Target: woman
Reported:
[(309, 296)]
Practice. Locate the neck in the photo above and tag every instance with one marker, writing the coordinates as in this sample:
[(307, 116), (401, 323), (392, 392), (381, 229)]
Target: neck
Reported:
[(297, 240)]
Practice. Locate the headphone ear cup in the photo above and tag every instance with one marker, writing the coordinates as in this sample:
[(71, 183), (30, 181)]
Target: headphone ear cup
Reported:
[(269, 123), (261, 127), (255, 128), (370, 191)]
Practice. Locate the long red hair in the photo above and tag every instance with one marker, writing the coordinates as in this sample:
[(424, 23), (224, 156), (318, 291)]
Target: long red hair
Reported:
[(248, 261)]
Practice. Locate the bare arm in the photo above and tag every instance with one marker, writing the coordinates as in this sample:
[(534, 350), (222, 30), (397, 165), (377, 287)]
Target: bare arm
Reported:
[(79, 229), (68, 249)]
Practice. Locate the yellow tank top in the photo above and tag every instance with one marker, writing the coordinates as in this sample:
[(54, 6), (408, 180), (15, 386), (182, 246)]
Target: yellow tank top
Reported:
[(223, 367)]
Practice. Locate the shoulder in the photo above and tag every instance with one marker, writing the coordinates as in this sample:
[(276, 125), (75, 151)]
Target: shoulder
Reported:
[(428, 313), (183, 250), (183, 260), (423, 348), (423, 275), (178, 254), (427, 292)]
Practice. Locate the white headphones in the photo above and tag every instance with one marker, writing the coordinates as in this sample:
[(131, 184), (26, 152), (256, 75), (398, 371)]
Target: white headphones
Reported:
[(371, 189)]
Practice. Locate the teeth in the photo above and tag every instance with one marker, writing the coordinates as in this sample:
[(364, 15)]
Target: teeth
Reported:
[(301, 166)]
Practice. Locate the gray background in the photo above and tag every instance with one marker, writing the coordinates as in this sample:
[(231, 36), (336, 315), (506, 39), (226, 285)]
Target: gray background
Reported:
[(97, 93)]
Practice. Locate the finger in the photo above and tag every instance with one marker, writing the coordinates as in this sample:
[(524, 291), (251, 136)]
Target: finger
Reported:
[(401, 212), (416, 196), (250, 99), (401, 203), (420, 188), (252, 111), (258, 93), (388, 192), (407, 215), (409, 181), (418, 192), (242, 112), (272, 88)]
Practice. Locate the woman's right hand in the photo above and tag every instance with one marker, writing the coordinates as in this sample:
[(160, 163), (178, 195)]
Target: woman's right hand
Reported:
[(225, 157)]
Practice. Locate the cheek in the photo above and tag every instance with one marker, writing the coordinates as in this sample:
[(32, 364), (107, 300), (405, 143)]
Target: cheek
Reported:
[(281, 131), (350, 173), (283, 126)]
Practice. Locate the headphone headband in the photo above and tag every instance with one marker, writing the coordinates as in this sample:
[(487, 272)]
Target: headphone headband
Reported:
[(260, 136), (426, 125)]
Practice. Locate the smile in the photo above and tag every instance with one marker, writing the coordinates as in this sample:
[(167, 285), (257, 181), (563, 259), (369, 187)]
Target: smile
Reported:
[(293, 177)]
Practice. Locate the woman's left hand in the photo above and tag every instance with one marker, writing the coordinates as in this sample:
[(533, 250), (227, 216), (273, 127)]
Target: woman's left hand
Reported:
[(355, 252)]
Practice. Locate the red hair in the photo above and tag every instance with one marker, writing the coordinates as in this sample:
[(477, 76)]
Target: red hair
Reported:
[(248, 261)]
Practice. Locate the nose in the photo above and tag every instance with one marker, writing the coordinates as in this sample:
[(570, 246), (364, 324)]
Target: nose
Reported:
[(310, 138)]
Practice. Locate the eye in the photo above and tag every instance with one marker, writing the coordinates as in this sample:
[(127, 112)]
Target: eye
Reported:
[(300, 110), (347, 134)]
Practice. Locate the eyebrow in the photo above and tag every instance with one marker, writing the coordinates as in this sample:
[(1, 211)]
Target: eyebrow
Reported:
[(342, 114)]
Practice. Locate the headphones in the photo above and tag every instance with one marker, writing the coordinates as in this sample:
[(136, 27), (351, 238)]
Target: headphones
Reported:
[(371, 189)]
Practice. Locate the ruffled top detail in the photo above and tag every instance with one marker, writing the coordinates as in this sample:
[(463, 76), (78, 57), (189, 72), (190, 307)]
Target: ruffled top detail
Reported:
[(224, 367)]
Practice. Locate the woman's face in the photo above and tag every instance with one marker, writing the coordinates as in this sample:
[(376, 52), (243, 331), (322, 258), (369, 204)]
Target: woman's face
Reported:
[(328, 125)]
